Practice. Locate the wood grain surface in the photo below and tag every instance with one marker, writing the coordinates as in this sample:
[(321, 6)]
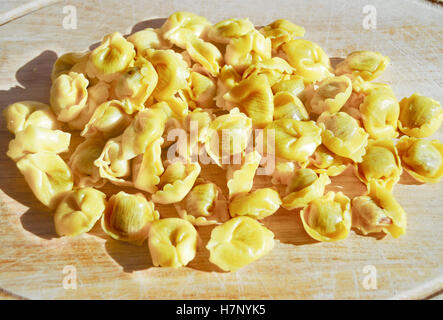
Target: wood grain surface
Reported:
[(32, 257)]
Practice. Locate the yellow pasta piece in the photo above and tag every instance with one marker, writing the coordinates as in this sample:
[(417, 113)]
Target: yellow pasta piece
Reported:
[(381, 164), (283, 171), (378, 211), (180, 26), (342, 135), (289, 106), (148, 167), (172, 242), (128, 217), (227, 79), (176, 182), (420, 116), (309, 59), (367, 65), (422, 159), (97, 94), (239, 242), (111, 167), (304, 187), (379, 110), (81, 162), (21, 114), (204, 205), (243, 51), (328, 218), (36, 139), (240, 177), (69, 95), (325, 161), (71, 61), (148, 39), (281, 31), (254, 96), (135, 85), (47, 175), (202, 90), (206, 54), (108, 120), (225, 30), (110, 58), (331, 95), (172, 72), (259, 204), (146, 127), (293, 139), (293, 84), (275, 69), (78, 211), (228, 135)]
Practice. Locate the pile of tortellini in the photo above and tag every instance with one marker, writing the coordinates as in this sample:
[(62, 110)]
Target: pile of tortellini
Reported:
[(217, 85)]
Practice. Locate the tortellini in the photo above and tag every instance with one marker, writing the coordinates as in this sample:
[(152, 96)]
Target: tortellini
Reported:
[(275, 69), (148, 167), (310, 61), (147, 126), (128, 217), (203, 205), (381, 164), (108, 120), (81, 162), (240, 177), (281, 31), (331, 95), (328, 218), (367, 65), (111, 166), (180, 25), (378, 211), (325, 161), (239, 242), (47, 175), (148, 39), (71, 61), (22, 114), (36, 139), (172, 72), (420, 116), (228, 135), (162, 110), (172, 242), (304, 187), (225, 30), (110, 58), (78, 211), (253, 96), (379, 111), (422, 159), (292, 139), (245, 50), (135, 85), (289, 106), (227, 79), (202, 90), (342, 135), (69, 95), (176, 182), (97, 94), (259, 204)]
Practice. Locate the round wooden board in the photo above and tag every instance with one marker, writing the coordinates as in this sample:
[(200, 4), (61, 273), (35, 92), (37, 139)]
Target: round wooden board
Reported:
[(33, 258)]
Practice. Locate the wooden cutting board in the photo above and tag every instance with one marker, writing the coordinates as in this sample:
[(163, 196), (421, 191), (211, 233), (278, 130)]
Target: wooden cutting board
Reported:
[(32, 257)]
